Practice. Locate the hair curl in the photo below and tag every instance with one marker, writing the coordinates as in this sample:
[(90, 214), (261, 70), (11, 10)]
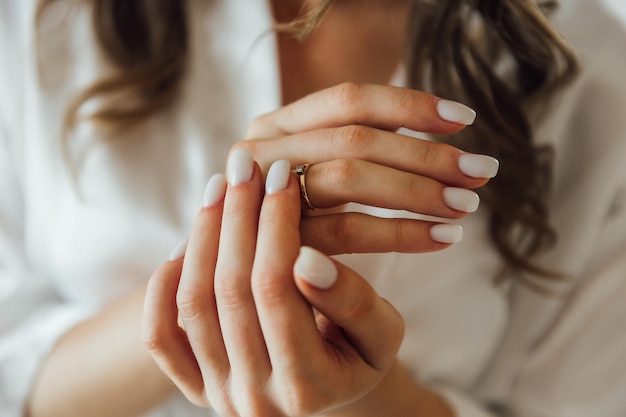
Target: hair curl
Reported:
[(147, 41), (466, 39)]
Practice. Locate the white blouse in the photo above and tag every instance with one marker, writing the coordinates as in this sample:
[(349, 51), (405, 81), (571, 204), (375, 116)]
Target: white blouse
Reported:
[(70, 247)]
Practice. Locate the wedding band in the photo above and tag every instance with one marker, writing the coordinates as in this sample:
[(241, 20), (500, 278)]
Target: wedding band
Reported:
[(300, 171)]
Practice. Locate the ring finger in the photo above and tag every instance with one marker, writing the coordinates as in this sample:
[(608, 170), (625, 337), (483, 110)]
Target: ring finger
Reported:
[(329, 184)]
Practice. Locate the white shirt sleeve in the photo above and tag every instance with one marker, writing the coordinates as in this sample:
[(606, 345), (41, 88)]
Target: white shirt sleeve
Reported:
[(579, 367), (32, 316)]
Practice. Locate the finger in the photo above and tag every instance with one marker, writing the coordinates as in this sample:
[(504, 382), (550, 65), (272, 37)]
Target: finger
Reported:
[(165, 340), (439, 161), (381, 106), (195, 297), (330, 184), (235, 305), (286, 318), (361, 233), (373, 326)]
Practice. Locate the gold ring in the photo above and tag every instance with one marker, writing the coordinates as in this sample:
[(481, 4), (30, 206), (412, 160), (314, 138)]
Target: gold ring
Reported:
[(300, 171)]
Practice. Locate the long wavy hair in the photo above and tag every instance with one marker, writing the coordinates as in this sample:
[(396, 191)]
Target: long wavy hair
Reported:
[(452, 50), (148, 42)]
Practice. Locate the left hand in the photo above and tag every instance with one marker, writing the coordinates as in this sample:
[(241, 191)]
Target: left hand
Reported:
[(349, 135), (261, 335)]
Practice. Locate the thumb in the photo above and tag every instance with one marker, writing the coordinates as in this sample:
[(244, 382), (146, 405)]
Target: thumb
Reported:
[(372, 324)]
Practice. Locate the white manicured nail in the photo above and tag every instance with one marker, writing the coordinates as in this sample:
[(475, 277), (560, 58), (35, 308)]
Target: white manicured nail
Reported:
[(240, 167), (461, 199), (455, 112), (179, 251), (478, 166), (215, 190), (278, 177), (446, 233), (315, 268)]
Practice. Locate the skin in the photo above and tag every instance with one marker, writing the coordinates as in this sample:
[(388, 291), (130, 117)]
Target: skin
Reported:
[(341, 48), (341, 130), (346, 133), (251, 344)]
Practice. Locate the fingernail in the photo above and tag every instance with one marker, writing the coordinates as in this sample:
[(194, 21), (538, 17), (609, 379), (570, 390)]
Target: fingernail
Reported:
[(278, 177), (215, 190), (240, 166), (461, 199), (446, 233), (478, 166), (179, 251), (315, 268), (456, 112)]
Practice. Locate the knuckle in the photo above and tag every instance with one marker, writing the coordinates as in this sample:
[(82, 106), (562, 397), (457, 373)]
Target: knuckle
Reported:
[(402, 235), (231, 292), (267, 289), (191, 304), (414, 187), (432, 153), (412, 100), (153, 339), (345, 229), (353, 138), (408, 101), (424, 156), (346, 95)]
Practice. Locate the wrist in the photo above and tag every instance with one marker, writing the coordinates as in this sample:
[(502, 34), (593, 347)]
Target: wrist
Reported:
[(397, 395)]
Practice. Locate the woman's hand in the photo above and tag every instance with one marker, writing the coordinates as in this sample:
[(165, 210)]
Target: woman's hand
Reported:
[(268, 327), (347, 134)]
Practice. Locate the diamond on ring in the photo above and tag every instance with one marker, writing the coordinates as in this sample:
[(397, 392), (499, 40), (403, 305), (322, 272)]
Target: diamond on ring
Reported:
[(300, 171)]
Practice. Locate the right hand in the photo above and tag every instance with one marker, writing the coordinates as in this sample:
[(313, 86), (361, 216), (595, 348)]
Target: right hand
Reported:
[(347, 134), (268, 329)]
